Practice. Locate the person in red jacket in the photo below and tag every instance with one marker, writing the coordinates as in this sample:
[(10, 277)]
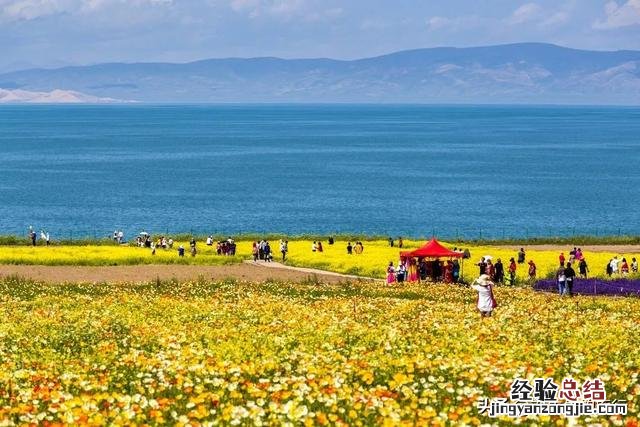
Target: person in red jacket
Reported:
[(532, 269), (512, 271), (561, 258)]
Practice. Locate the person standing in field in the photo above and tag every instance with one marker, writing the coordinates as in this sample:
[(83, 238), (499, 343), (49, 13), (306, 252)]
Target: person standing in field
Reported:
[(255, 252), (634, 265), (512, 271), (45, 236), (448, 272), (532, 270), (561, 279), (456, 271), (401, 271), (181, 251), (499, 271), (624, 267), (521, 256), (614, 265), (583, 268), (561, 258), (320, 249), (267, 252), (570, 275), (608, 268), (400, 242), (283, 248), (390, 241), (482, 266), (32, 235), (486, 301), (413, 270), (314, 246), (192, 244), (349, 248), (391, 273), (489, 270)]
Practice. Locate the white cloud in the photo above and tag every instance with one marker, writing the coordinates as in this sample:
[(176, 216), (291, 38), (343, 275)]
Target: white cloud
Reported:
[(286, 9), (619, 15), (525, 13), (557, 18), (24, 10), (436, 23), (280, 8)]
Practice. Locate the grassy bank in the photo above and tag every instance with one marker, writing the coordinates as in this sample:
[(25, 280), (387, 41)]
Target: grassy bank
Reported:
[(578, 240)]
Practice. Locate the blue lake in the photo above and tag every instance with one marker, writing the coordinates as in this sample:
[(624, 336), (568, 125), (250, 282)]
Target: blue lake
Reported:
[(472, 171)]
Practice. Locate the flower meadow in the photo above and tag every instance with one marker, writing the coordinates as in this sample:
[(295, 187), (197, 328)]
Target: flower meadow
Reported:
[(620, 287), (232, 353), (371, 263)]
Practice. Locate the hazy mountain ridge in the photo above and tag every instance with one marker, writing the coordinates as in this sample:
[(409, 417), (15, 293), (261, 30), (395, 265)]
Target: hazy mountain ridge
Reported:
[(56, 96), (529, 72)]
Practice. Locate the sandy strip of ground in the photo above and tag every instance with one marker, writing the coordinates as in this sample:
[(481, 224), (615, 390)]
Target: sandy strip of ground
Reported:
[(142, 273), (619, 249)]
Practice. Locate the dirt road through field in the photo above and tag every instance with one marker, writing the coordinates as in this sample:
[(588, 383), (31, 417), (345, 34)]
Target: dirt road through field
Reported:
[(141, 273)]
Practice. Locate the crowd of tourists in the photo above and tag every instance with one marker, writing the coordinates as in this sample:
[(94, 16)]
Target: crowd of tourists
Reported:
[(261, 250), (33, 237), (223, 247), (357, 248), (621, 267), (421, 270), (118, 236)]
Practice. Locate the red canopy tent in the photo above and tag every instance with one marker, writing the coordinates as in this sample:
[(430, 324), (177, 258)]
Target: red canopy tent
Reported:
[(432, 249)]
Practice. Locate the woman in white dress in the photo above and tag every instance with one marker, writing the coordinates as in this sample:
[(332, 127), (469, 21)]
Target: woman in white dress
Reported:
[(486, 300)]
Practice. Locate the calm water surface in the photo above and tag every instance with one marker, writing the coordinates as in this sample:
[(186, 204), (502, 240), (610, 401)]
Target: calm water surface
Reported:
[(408, 170)]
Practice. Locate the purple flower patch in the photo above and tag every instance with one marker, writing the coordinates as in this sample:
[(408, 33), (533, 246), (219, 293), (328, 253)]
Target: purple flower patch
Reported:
[(620, 287)]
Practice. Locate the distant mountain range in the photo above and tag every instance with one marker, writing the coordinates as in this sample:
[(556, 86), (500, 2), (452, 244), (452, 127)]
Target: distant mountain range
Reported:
[(515, 73), (54, 97)]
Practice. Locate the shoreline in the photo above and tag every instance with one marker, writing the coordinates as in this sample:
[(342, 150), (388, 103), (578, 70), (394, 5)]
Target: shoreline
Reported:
[(541, 242)]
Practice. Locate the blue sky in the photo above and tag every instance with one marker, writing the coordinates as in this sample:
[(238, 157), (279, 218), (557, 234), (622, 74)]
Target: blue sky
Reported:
[(61, 32)]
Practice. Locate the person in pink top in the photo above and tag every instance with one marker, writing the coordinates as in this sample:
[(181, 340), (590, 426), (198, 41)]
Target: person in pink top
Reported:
[(391, 274)]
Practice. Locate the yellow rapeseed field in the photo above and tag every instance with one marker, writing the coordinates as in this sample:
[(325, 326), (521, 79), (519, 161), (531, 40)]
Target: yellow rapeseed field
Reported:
[(203, 353), (108, 255), (372, 262), (377, 255)]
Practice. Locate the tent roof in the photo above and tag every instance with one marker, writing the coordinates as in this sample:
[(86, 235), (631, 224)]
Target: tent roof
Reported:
[(433, 249)]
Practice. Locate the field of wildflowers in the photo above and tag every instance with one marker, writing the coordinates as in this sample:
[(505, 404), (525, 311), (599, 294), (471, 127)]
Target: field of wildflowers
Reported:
[(204, 353), (372, 262)]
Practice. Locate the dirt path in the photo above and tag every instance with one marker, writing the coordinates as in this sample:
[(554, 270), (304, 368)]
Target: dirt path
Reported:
[(311, 271), (140, 273)]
